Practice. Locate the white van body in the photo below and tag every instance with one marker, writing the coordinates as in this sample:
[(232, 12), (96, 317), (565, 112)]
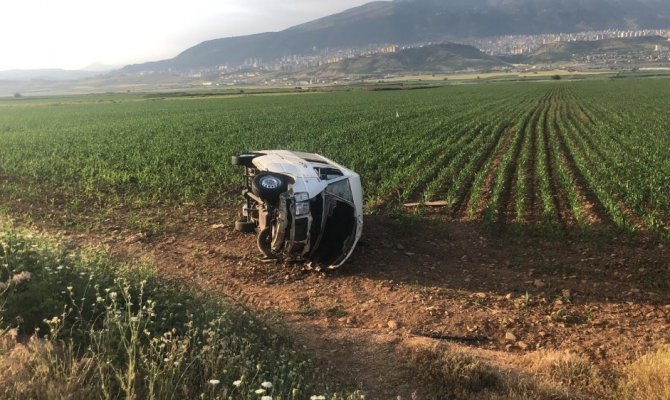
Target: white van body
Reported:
[(303, 205)]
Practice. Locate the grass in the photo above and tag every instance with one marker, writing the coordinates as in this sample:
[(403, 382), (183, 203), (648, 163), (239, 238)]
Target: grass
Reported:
[(79, 325), (568, 370), (648, 377), (461, 375), (75, 322), (96, 155)]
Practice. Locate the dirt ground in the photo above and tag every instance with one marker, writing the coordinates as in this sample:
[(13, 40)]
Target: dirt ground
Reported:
[(420, 281)]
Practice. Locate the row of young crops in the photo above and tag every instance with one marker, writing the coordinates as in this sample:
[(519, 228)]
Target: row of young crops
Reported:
[(562, 155)]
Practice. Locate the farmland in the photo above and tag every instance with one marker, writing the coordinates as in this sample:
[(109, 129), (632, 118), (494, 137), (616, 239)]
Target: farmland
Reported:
[(558, 155), (540, 271)]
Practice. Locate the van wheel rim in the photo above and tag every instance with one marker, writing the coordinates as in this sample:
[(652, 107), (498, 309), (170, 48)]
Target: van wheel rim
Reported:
[(270, 182)]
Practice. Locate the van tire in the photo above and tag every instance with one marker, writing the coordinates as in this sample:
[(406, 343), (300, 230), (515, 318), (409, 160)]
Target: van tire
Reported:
[(244, 160), (268, 186)]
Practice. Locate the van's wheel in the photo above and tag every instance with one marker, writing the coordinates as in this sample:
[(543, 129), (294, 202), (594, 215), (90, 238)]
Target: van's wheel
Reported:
[(264, 242), (268, 186), (242, 225)]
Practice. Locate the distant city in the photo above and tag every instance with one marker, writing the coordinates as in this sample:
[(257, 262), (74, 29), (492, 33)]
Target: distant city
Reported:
[(511, 45), (524, 44)]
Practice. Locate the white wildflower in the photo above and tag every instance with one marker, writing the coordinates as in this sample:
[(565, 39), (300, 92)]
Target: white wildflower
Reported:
[(237, 383), (214, 382), (266, 398), (260, 391), (267, 385)]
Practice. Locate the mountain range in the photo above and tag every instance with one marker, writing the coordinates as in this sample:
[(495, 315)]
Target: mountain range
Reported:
[(420, 21), (55, 74), (45, 74)]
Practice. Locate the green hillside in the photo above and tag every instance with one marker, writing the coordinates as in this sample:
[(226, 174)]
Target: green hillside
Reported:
[(446, 57), (612, 48)]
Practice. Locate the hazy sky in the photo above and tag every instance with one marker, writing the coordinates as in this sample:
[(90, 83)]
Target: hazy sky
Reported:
[(72, 34)]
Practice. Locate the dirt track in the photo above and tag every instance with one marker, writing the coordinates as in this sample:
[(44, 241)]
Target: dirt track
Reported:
[(416, 281)]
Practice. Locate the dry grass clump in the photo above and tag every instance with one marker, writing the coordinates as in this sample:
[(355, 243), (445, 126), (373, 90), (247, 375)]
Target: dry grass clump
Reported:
[(568, 370), (462, 375), (458, 372), (39, 370), (648, 377), (547, 375)]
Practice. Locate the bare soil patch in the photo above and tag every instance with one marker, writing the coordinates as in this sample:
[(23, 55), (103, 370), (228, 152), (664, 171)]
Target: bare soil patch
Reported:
[(447, 282), (423, 280)]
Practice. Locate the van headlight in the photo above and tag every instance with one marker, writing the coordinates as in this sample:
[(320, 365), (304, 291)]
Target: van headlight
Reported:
[(301, 204)]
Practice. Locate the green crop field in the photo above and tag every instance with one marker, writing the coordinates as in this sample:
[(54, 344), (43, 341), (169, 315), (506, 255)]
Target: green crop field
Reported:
[(565, 155)]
